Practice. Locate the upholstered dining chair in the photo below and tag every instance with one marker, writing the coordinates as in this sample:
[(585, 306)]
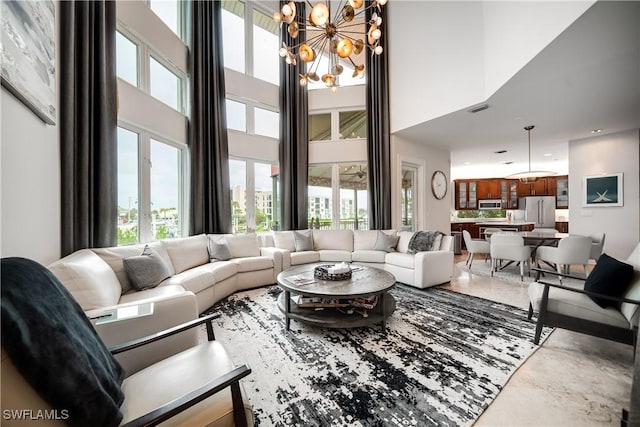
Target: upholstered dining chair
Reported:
[(509, 247), (54, 362), (597, 245), (474, 246), (489, 231), (571, 250)]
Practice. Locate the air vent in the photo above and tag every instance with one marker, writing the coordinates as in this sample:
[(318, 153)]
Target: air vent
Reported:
[(500, 151), (507, 163), (478, 108)]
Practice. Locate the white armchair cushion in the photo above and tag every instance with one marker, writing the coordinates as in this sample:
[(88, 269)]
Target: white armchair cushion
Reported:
[(574, 304), (90, 280), (187, 252)]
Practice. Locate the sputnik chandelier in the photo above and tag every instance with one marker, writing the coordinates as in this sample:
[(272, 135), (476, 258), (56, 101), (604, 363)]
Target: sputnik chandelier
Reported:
[(338, 36)]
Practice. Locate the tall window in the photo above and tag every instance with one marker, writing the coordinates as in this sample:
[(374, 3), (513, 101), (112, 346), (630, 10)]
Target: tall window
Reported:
[(233, 34), (152, 139), (338, 125), (236, 115), (338, 197), (266, 37), (253, 196), (266, 122)]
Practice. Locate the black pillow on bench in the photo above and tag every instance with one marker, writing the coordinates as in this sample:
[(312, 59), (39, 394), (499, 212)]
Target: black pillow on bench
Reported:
[(609, 277)]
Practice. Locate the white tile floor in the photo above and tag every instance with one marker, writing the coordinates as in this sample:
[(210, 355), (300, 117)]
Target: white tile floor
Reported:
[(571, 380)]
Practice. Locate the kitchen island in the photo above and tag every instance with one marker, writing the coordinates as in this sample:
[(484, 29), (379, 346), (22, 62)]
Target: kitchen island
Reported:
[(476, 226)]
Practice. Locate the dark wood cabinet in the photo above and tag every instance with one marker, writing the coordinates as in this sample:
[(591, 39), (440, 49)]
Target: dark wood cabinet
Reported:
[(538, 188), (489, 189), (562, 226), (561, 191)]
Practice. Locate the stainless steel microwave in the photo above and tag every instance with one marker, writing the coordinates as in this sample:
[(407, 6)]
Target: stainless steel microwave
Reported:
[(490, 204)]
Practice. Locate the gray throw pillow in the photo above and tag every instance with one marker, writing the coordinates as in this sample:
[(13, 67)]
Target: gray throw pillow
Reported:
[(219, 250), (146, 270), (303, 240), (386, 242)]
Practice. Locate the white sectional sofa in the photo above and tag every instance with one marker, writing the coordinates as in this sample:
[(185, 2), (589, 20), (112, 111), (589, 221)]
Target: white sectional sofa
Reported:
[(99, 282)]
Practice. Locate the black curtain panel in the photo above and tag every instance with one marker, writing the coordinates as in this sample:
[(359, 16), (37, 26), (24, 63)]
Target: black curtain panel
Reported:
[(378, 133), (208, 141), (294, 144), (88, 124)]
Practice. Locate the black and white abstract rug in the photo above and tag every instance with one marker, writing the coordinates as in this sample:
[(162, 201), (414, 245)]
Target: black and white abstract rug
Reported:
[(441, 361)]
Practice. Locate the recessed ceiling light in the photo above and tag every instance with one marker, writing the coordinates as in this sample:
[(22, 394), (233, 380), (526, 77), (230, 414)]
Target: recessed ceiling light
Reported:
[(547, 154), (596, 131), (467, 163), (500, 151)]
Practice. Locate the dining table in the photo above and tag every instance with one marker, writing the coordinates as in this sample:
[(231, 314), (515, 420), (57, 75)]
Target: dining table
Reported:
[(534, 239)]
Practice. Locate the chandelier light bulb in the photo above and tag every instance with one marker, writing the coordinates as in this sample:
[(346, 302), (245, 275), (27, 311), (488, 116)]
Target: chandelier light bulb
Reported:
[(381, 2), (303, 80), (307, 54), (334, 89), (283, 52), (319, 14), (356, 4), (277, 16), (345, 47), (378, 50), (376, 34)]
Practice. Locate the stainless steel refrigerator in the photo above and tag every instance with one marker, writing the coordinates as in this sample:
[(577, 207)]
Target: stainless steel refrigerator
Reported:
[(539, 209)]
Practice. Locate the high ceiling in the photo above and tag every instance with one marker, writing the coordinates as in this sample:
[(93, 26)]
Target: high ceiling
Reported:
[(587, 78)]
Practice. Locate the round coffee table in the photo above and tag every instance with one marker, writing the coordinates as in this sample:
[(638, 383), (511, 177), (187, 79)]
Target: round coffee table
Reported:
[(329, 303)]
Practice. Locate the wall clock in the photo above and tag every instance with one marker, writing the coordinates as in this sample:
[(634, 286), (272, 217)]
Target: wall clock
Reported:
[(439, 185)]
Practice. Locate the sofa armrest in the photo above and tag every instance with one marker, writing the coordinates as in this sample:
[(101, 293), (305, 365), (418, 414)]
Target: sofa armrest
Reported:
[(281, 258), (433, 268), (169, 309)]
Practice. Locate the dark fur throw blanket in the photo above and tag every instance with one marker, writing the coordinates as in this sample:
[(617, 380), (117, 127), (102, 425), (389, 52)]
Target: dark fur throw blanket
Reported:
[(425, 241)]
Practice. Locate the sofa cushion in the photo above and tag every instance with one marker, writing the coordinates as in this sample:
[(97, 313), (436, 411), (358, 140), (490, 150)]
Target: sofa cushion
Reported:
[(303, 240), (385, 242), (403, 241), (284, 240), (334, 255), (400, 260), (187, 252), (90, 280), (368, 256), (223, 269), (219, 250), (194, 279), (609, 277), (333, 239), (265, 240), (146, 270), (114, 256), (304, 257), (575, 304), (243, 245), (255, 263)]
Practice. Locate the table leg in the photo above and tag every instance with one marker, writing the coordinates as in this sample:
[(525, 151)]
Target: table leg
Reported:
[(383, 302), (287, 309)]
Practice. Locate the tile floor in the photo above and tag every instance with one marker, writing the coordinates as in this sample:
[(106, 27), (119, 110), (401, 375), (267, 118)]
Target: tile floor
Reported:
[(571, 380)]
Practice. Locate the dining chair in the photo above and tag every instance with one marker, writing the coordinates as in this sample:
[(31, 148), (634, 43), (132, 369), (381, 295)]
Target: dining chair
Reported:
[(489, 231), (571, 250), (474, 246), (597, 244), (509, 247)]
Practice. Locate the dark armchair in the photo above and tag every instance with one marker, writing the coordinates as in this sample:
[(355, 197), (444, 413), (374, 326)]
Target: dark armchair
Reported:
[(611, 317), (55, 365)]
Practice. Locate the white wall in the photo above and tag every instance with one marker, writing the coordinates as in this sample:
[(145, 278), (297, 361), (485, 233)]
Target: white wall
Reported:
[(30, 180), (432, 214), (613, 153), (448, 56)]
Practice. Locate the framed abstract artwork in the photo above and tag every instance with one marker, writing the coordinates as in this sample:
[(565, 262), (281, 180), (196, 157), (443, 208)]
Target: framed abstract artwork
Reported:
[(27, 54), (602, 190)]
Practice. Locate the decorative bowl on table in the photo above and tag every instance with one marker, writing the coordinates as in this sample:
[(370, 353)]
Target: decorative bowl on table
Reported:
[(324, 272)]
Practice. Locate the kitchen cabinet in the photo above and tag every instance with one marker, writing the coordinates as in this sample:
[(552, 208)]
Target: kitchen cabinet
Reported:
[(561, 191), (471, 227), (509, 193), (489, 189), (538, 188), (466, 194), (562, 226)]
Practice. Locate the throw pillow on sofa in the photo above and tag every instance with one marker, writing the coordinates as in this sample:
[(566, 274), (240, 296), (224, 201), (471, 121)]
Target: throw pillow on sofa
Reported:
[(386, 242), (219, 250), (303, 240), (609, 277), (146, 270)]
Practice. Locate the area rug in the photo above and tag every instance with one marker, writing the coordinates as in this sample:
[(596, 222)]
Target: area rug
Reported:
[(441, 361)]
